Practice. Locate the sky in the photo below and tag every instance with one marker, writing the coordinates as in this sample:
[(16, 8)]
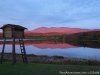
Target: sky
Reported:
[(51, 13)]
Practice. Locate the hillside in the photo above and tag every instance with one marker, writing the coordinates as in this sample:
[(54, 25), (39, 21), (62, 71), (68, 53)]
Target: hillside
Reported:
[(45, 31), (85, 39), (64, 30)]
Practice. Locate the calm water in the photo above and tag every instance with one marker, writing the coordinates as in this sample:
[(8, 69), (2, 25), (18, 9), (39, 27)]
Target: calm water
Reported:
[(51, 48)]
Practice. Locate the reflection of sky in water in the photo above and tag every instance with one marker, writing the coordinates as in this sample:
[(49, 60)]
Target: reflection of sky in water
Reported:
[(80, 52)]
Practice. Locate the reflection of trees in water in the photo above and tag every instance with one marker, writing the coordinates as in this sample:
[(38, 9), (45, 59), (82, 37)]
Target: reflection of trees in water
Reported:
[(79, 42), (85, 43), (36, 41), (84, 39), (44, 44)]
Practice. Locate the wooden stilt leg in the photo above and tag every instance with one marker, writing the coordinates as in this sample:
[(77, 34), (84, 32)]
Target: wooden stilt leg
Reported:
[(2, 53), (13, 52)]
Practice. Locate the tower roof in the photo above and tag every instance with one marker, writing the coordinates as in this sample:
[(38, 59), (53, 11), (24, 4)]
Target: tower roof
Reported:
[(13, 26)]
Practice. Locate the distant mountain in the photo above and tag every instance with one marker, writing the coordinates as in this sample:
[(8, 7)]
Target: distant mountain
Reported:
[(96, 30), (64, 30), (52, 31)]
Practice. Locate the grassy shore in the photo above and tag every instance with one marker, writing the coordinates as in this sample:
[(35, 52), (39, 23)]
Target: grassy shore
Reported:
[(43, 69)]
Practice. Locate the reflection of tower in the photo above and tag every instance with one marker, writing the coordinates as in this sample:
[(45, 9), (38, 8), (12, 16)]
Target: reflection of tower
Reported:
[(11, 31)]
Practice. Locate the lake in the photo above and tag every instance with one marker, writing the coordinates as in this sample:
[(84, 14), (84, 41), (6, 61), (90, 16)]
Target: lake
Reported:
[(56, 48)]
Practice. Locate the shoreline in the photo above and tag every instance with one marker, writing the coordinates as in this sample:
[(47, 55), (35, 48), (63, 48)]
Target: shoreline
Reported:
[(51, 59)]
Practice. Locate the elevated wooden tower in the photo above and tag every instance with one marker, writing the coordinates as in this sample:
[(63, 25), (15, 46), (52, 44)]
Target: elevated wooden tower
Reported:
[(11, 31)]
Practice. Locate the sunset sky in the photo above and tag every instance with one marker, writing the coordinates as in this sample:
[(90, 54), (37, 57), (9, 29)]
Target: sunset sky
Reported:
[(51, 13)]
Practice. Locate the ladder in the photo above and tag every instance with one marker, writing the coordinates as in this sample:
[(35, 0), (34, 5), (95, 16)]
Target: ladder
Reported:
[(23, 52)]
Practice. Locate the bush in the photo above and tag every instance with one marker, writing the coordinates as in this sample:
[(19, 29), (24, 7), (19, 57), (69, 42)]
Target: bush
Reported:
[(59, 57)]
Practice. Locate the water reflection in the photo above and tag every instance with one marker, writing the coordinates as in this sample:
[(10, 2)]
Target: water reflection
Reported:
[(43, 44), (52, 48), (85, 43), (58, 44)]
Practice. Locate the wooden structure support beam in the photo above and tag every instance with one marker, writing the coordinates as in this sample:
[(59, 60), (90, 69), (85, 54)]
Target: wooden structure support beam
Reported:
[(13, 52), (2, 53)]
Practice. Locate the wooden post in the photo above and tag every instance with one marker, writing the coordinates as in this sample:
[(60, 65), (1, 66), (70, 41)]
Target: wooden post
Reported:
[(13, 52), (2, 53)]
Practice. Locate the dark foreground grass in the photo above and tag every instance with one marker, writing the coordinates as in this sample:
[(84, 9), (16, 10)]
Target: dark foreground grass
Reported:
[(44, 69)]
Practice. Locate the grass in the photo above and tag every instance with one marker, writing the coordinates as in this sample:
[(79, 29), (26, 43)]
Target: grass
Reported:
[(43, 69)]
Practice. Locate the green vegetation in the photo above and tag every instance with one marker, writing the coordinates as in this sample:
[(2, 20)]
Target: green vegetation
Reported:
[(59, 57), (43, 59), (43, 69)]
